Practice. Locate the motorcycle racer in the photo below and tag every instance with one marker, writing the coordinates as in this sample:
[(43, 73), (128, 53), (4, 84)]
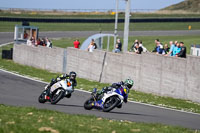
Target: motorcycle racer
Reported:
[(71, 77), (126, 85)]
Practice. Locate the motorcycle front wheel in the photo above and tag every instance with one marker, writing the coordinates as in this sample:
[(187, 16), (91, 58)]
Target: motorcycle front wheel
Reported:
[(110, 103), (88, 103), (56, 97), (41, 98)]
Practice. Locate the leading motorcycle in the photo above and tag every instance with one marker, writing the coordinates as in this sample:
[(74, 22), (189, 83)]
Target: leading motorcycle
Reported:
[(58, 91)]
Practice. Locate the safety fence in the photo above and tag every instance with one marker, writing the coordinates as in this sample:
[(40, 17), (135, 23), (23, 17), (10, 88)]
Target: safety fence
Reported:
[(88, 20)]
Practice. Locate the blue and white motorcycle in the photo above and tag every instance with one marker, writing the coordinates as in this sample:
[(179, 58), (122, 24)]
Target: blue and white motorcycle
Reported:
[(106, 101)]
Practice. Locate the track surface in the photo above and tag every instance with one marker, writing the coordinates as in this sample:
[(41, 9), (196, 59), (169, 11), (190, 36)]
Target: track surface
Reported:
[(19, 91), (6, 37)]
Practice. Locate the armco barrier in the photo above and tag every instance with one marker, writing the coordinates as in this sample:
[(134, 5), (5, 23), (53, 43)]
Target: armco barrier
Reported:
[(165, 76)]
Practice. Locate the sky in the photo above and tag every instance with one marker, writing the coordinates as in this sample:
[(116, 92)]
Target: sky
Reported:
[(85, 4)]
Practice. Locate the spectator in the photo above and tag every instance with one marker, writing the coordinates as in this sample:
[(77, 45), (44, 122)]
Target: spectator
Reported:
[(25, 35), (133, 46), (177, 49), (76, 43), (172, 46), (92, 46), (118, 46), (48, 43), (182, 53), (141, 45), (159, 47), (166, 49), (138, 49), (29, 41)]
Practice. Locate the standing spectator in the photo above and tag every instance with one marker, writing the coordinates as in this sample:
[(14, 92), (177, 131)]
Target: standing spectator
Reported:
[(172, 46), (118, 46), (159, 47), (182, 53), (166, 49), (92, 46), (76, 43), (177, 49), (48, 43), (29, 41)]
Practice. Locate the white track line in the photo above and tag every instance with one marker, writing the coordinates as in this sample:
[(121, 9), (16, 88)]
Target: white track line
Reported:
[(31, 78), (1, 45)]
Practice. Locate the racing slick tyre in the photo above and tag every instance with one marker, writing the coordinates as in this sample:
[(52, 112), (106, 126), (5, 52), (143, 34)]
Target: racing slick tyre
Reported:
[(110, 103), (88, 103), (56, 97), (41, 98)]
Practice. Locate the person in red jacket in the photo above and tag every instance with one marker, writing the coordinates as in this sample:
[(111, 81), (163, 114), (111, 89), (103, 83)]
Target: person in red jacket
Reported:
[(76, 43)]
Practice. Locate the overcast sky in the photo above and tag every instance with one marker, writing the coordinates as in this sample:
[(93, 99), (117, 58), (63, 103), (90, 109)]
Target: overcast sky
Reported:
[(86, 4)]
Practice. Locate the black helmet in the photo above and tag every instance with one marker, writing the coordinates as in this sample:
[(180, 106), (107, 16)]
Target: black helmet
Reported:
[(72, 75)]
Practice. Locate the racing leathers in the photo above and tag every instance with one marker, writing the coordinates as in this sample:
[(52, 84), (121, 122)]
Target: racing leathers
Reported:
[(59, 78), (119, 85)]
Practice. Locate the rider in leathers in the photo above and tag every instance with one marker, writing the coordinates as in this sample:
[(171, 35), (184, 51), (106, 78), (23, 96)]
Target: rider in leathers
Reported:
[(71, 77), (127, 84)]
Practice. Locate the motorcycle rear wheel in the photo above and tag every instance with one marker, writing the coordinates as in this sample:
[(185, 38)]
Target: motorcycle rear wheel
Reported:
[(56, 97), (41, 98), (88, 103), (110, 104)]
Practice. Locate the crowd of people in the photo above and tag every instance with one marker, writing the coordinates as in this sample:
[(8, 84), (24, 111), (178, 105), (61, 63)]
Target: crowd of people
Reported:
[(176, 49), (40, 41)]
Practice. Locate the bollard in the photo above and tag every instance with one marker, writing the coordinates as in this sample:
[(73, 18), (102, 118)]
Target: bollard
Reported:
[(189, 27)]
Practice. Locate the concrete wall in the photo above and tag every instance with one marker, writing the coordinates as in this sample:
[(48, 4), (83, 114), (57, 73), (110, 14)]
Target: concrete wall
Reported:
[(40, 57), (87, 64), (165, 76)]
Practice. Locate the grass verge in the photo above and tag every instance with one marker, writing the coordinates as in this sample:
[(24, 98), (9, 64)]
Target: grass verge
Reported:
[(32, 120), (9, 26), (88, 85)]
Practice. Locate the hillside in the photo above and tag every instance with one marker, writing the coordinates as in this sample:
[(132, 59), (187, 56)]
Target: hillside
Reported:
[(187, 5)]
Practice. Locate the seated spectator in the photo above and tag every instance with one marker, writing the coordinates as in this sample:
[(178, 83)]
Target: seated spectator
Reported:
[(141, 45), (177, 49), (182, 53), (76, 43), (138, 49), (166, 49), (118, 46), (43, 43)]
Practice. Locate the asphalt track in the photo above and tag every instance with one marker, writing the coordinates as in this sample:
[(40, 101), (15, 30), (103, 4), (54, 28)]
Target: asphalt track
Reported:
[(6, 37), (20, 91)]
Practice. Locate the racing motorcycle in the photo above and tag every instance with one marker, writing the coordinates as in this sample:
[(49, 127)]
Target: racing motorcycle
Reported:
[(106, 101), (58, 91)]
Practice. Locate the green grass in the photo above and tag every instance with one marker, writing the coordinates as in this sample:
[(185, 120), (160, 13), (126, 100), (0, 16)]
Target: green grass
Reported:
[(32, 120), (9, 26), (88, 85)]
